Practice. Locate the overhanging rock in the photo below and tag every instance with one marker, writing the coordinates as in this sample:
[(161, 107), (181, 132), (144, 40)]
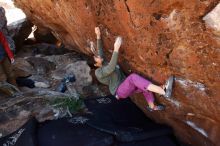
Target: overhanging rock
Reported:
[(160, 38)]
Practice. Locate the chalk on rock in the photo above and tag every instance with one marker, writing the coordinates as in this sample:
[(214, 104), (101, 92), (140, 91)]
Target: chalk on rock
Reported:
[(212, 19)]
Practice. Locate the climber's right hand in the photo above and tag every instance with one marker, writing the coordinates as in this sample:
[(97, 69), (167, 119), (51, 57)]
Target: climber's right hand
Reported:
[(97, 32), (117, 44)]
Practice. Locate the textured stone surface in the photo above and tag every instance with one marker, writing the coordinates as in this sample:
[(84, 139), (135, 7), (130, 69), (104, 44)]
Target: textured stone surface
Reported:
[(42, 66), (160, 38), (16, 107), (79, 69), (20, 30), (22, 68), (212, 19)]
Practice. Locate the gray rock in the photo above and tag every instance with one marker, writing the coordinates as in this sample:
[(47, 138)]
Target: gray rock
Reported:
[(80, 69), (9, 89), (22, 68), (44, 113), (41, 66), (19, 31), (62, 60)]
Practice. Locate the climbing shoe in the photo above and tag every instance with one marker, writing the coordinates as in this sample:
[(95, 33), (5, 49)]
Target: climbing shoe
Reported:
[(169, 87), (156, 108)]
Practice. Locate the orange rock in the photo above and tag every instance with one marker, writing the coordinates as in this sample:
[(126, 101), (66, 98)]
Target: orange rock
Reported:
[(166, 37)]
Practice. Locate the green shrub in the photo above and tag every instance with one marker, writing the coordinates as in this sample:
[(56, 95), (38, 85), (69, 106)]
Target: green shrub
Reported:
[(73, 104)]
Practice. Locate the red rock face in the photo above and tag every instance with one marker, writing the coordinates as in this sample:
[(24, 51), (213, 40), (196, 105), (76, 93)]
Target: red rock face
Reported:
[(160, 38)]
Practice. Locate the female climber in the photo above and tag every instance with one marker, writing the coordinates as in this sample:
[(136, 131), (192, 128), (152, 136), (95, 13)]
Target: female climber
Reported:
[(120, 86)]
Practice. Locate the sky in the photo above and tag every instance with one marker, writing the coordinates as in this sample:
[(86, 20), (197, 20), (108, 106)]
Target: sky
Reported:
[(12, 13)]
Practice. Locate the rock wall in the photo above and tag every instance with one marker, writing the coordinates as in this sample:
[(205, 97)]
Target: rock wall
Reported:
[(160, 38)]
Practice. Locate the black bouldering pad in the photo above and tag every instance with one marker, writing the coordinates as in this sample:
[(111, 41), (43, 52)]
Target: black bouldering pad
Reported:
[(158, 141), (123, 119), (112, 123), (24, 136), (71, 132)]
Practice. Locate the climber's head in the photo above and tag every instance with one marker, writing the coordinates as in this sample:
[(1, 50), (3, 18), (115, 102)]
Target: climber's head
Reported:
[(98, 61)]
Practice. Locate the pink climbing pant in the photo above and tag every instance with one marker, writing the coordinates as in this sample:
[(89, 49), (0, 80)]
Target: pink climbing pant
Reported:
[(134, 83)]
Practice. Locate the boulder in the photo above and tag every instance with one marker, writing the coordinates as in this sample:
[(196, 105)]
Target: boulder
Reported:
[(160, 38), (212, 19), (9, 89), (41, 65), (80, 69), (20, 30), (22, 68)]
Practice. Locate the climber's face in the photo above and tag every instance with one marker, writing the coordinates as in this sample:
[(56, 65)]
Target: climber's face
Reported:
[(98, 61)]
